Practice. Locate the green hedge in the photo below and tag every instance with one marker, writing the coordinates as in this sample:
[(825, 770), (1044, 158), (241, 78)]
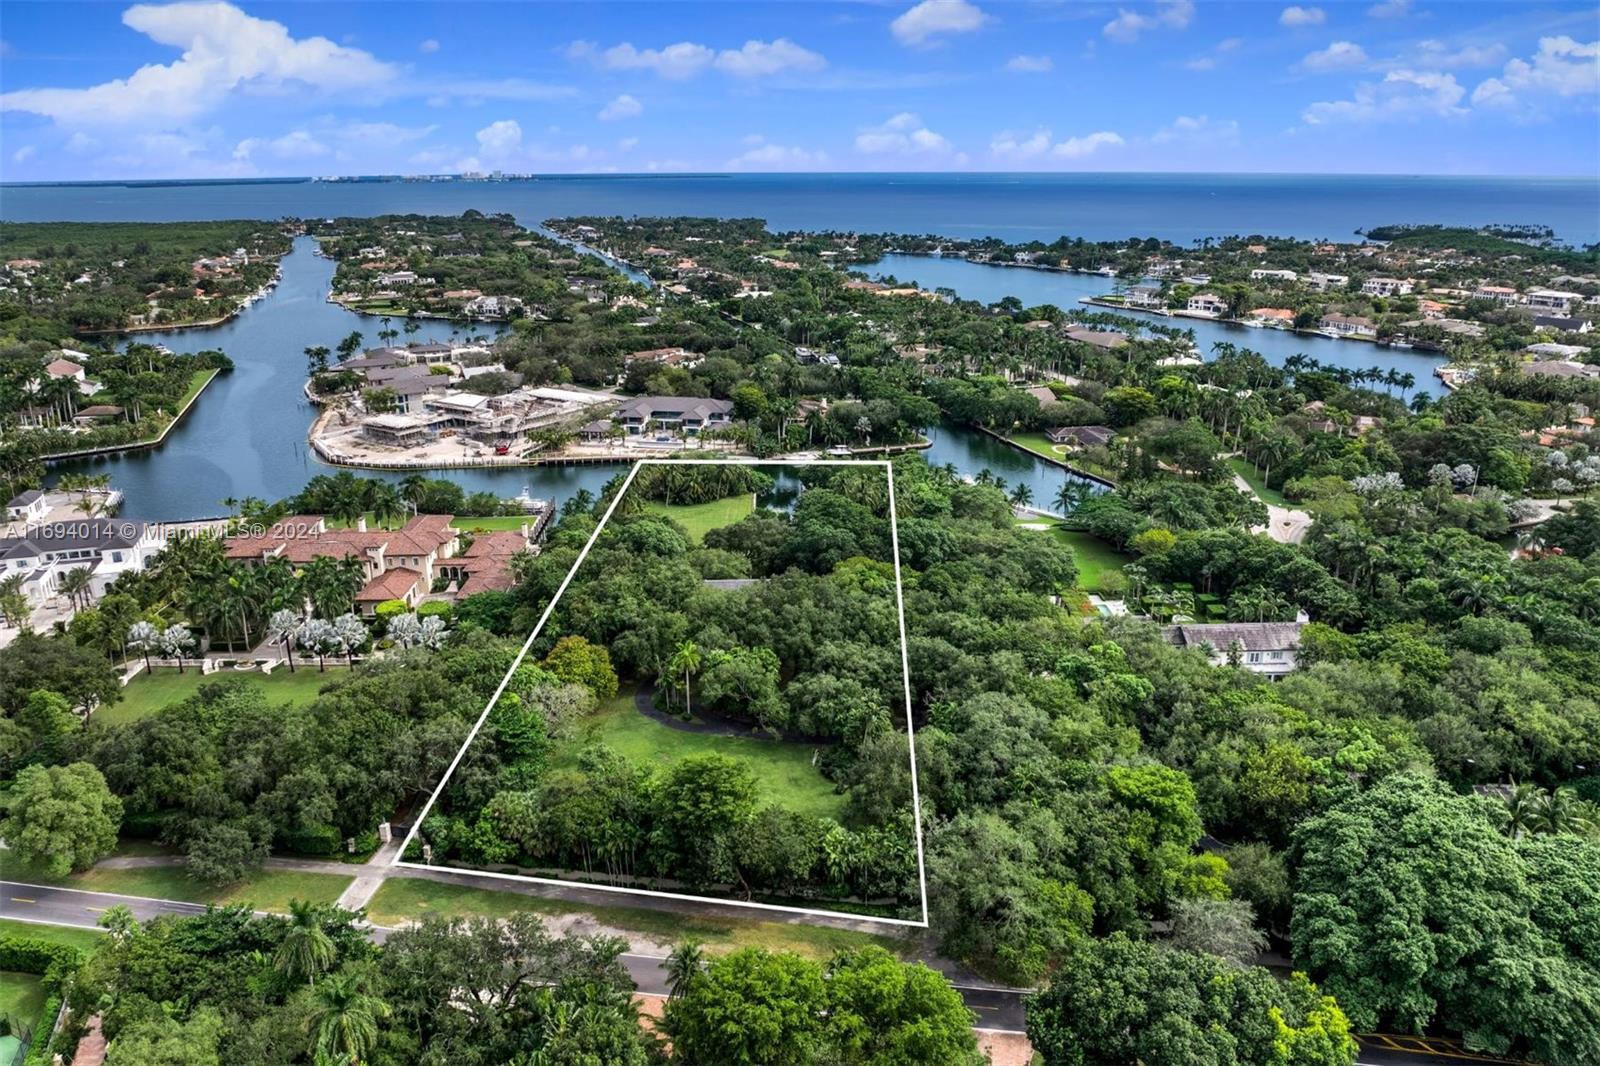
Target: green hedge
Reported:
[(321, 841), (55, 963), (27, 955), (433, 607)]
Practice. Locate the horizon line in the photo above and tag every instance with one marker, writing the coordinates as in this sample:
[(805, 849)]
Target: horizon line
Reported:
[(580, 174)]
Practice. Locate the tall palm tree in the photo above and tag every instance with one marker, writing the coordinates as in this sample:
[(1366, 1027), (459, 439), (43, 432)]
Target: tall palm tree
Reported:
[(685, 963), (685, 660), (282, 628), (1021, 494), (1521, 812), (344, 1017), (306, 949), (76, 585), (142, 637)]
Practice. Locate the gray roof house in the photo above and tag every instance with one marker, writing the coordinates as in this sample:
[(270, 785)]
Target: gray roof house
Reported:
[(1267, 648), (688, 414), (1080, 435), (108, 548)]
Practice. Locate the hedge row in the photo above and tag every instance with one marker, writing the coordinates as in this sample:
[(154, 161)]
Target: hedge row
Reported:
[(55, 963)]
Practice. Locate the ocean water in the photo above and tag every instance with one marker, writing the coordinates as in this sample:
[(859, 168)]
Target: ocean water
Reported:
[(1016, 207)]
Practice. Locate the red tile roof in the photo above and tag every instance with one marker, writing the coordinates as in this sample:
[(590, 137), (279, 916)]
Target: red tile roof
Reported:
[(390, 585)]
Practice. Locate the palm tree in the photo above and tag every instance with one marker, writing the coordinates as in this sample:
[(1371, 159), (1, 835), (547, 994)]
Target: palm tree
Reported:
[(1520, 814), (306, 949), (14, 606), (282, 628), (76, 585), (352, 635), (344, 1017), (1021, 495), (1560, 811), (685, 963), (175, 640), (142, 636), (686, 660)]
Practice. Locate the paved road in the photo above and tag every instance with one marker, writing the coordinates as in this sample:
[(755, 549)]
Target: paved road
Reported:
[(998, 1009)]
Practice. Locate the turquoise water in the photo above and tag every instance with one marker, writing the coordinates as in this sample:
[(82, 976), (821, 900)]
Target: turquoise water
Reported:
[(1018, 207)]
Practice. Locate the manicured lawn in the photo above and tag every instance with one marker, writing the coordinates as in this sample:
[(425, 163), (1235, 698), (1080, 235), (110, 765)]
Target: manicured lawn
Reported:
[(701, 518), (1093, 556), (783, 770), (265, 890), (1039, 444), (197, 382), (148, 693), (86, 939), (1244, 469), (493, 523), (404, 899), (21, 997)]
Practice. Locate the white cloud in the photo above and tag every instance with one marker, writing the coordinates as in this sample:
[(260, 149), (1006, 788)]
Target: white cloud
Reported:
[(1390, 9), (929, 19), (1562, 67), (297, 144), (622, 107), (903, 134), (676, 61), (23, 154), (224, 51), (687, 59), (766, 156), (1197, 130), (1009, 145), (1030, 64), (428, 47), (1080, 147), (1128, 25), (1022, 146), (1403, 94), (1201, 63), (500, 139), (759, 58), (1302, 16), (1436, 55), (627, 144), (1340, 55)]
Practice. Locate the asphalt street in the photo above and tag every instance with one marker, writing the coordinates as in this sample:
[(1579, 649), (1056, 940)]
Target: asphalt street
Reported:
[(997, 1009)]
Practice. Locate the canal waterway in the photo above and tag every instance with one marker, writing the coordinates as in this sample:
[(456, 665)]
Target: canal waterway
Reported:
[(988, 284), (246, 435)]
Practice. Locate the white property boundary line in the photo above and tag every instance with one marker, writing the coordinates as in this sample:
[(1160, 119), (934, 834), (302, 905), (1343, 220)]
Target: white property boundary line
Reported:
[(905, 666)]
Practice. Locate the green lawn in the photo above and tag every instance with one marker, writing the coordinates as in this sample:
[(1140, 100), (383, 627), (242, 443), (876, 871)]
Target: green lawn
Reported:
[(1093, 556), (86, 939), (402, 899), (21, 997), (783, 770), (148, 693), (1039, 444), (701, 518), (197, 381), (492, 523), (1258, 484), (265, 890)]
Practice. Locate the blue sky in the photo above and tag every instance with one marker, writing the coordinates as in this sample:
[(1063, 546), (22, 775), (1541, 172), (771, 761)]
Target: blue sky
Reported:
[(203, 89)]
